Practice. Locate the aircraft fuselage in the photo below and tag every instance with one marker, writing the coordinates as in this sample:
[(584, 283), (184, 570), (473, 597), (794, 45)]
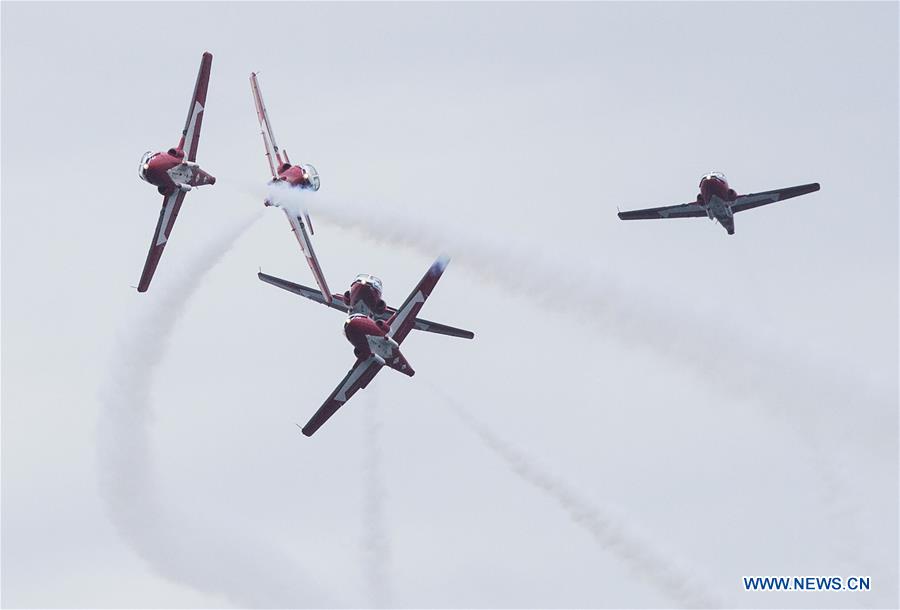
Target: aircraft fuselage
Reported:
[(297, 176), (716, 197), (294, 175), (368, 335), (168, 171)]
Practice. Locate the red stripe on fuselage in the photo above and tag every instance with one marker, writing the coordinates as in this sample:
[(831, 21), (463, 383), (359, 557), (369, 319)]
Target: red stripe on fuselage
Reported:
[(293, 175)]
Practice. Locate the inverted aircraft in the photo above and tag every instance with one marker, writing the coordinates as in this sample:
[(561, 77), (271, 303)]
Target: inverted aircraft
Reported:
[(175, 172), (718, 201), (303, 176), (375, 330)]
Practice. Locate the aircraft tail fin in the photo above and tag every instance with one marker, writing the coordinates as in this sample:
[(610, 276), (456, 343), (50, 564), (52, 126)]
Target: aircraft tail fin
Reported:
[(399, 363), (728, 224)]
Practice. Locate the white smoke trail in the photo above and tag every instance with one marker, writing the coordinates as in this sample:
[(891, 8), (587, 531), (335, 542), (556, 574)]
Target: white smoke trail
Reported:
[(375, 543), (605, 525), (178, 542), (812, 400), (716, 355)]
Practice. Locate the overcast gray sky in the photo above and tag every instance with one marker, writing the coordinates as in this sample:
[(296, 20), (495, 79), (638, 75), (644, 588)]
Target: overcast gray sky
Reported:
[(731, 401)]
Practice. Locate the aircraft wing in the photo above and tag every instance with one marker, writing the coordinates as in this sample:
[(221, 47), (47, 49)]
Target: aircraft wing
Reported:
[(404, 319), (168, 214), (754, 200), (684, 210), (359, 377), (190, 137), (337, 302), (299, 229), (273, 155)]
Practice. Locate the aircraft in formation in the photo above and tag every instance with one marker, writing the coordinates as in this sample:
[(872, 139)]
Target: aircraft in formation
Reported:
[(303, 177), (175, 172), (718, 201), (375, 329)]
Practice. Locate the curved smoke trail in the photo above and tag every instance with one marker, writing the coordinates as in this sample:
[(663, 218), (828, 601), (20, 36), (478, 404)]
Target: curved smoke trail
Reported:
[(716, 355), (608, 528), (179, 543), (813, 401)]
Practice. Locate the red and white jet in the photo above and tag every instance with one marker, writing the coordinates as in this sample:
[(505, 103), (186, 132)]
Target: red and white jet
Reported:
[(174, 174), (375, 330), (720, 202), (296, 176)]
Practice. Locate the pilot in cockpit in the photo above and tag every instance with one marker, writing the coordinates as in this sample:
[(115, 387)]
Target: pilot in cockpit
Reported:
[(144, 165), (713, 175), (365, 278)]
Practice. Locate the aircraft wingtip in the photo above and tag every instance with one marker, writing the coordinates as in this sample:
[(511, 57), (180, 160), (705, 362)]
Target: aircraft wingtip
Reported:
[(305, 430)]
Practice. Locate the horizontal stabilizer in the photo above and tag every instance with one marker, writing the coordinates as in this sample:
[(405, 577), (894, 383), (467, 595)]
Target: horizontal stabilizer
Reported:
[(442, 329), (399, 363)]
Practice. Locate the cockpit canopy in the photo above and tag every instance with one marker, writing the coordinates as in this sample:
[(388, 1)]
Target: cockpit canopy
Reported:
[(365, 278), (717, 175), (311, 174), (145, 164)]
